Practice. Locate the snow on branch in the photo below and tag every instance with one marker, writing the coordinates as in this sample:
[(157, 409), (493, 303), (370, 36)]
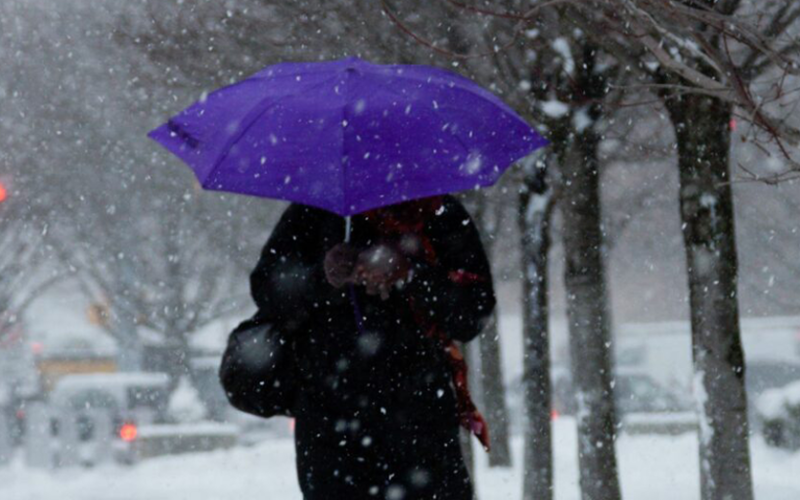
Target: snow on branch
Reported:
[(741, 52)]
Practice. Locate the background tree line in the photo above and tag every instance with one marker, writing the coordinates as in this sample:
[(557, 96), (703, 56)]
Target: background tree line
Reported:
[(658, 112)]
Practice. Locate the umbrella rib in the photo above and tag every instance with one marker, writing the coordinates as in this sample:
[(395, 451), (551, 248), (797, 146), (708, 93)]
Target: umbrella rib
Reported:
[(345, 164), (250, 124), (467, 87)]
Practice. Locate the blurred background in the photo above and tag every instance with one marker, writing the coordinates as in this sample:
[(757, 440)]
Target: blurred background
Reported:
[(120, 279)]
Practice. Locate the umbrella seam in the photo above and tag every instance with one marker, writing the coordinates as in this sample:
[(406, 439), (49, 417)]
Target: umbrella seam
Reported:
[(245, 129), (464, 87), (479, 91), (506, 109)]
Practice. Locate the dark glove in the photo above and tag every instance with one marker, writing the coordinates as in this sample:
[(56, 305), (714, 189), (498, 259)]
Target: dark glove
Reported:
[(340, 262), (379, 267)]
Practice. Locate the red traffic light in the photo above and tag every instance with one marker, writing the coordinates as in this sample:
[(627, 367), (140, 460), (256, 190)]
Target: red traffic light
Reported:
[(128, 432), (3, 193)]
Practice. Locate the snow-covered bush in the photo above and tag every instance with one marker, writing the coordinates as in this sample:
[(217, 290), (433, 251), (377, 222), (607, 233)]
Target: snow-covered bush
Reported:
[(779, 411), (185, 405)]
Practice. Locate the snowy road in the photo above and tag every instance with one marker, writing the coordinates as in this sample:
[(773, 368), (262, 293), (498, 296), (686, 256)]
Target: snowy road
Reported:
[(652, 467)]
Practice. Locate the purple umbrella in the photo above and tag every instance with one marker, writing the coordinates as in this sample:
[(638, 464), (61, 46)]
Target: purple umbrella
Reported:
[(347, 135)]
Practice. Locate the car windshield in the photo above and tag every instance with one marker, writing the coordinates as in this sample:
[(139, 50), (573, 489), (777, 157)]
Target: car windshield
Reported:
[(640, 393), (93, 399), (150, 400), (763, 376)]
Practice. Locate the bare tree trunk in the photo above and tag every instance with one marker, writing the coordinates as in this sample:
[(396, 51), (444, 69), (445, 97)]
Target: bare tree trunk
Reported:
[(466, 437), (176, 363), (492, 386), (588, 315), (701, 125), (494, 394), (535, 210), (130, 355)]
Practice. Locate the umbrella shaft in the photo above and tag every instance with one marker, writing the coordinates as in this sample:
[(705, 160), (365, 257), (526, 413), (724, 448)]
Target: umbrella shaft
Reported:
[(353, 300)]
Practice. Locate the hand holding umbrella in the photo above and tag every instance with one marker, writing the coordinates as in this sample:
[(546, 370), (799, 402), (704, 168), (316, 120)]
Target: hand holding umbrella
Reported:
[(377, 268)]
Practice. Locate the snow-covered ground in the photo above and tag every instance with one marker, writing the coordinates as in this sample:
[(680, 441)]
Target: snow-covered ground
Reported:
[(652, 467)]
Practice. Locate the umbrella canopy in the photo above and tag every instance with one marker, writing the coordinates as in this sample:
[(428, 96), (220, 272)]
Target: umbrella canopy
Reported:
[(348, 136)]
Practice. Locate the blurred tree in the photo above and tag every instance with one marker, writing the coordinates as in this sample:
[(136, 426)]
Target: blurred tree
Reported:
[(703, 120), (26, 267), (487, 213), (537, 201), (24, 270), (165, 260), (705, 60)]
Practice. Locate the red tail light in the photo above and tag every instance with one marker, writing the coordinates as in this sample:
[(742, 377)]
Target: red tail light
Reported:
[(128, 432)]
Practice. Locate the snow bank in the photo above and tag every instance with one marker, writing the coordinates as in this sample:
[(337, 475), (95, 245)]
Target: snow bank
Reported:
[(652, 467), (776, 404), (185, 404)]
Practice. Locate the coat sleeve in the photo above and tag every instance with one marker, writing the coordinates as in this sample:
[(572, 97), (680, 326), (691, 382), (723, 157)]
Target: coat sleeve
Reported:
[(456, 292), (258, 367), (289, 273)]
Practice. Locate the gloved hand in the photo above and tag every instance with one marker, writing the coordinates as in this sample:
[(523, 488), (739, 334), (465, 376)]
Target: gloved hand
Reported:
[(380, 267), (340, 263)]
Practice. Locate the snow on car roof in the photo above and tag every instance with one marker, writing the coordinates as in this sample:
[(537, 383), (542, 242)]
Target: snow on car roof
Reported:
[(111, 380)]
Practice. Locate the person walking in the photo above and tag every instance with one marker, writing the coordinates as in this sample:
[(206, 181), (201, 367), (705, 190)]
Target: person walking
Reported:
[(357, 341)]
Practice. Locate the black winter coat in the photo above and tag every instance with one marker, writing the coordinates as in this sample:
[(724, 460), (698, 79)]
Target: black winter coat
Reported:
[(375, 410)]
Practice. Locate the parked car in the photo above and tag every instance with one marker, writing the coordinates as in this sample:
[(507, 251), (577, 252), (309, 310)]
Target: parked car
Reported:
[(643, 405), (778, 410), (130, 400), (761, 377)]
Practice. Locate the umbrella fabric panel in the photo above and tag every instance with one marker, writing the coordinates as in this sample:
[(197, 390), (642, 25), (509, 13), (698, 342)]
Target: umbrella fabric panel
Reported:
[(292, 151), (202, 134), (417, 139)]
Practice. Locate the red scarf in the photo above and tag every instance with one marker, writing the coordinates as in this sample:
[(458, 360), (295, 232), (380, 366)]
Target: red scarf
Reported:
[(410, 218)]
